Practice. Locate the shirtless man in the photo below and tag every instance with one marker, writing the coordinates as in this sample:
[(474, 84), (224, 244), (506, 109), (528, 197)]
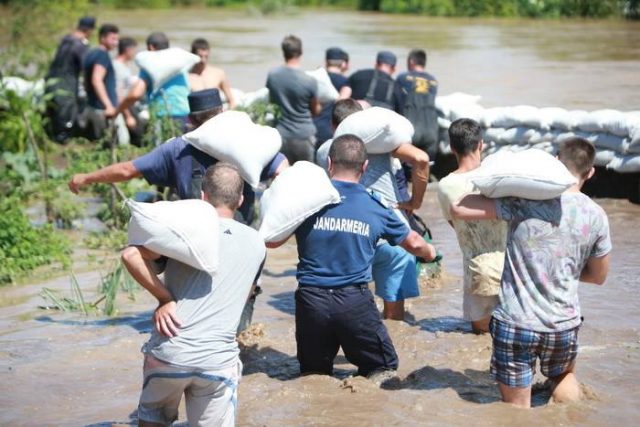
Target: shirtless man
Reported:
[(205, 76)]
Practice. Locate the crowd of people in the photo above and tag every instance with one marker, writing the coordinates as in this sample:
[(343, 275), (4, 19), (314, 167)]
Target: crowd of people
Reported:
[(542, 249)]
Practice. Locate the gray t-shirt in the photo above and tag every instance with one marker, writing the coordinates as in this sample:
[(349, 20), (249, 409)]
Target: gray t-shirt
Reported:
[(548, 245), (210, 307), (292, 90)]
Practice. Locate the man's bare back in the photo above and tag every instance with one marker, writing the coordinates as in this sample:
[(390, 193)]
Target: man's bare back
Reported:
[(212, 78)]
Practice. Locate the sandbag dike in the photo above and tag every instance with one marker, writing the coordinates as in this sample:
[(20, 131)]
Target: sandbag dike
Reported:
[(615, 135)]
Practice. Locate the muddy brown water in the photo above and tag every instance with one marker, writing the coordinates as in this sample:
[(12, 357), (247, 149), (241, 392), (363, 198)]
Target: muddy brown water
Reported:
[(66, 369)]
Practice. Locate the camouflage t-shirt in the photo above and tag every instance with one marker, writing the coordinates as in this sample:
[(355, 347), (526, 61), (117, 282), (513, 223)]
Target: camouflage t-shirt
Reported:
[(548, 245)]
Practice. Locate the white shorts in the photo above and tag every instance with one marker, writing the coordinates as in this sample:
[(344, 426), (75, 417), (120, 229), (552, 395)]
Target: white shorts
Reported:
[(210, 396)]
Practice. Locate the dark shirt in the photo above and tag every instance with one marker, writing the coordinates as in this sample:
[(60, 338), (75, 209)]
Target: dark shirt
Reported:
[(324, 129), (171, 165), (95, 57), (67, 64), (337, 244), (385, 93), (425, 83)]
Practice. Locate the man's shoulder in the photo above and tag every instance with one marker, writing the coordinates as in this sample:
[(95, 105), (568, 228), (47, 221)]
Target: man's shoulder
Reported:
[(454, 185), (243, 234)]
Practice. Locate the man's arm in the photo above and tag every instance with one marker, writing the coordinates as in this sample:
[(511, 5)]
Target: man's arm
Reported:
[(137, 261), (419, 161), (274, 245), (474, 207), (118, 172), (416, 245), (97, 81), (595, 270), (315, 106), (226, 88), (345, 92), (136, 92)]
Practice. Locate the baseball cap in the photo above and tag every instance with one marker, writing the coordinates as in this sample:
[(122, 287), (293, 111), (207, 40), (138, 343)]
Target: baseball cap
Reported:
[(336, 53), (386, 57), (87, 22)]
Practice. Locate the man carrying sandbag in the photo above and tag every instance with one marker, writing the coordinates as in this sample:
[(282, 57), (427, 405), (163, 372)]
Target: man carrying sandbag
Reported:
[(552, 245), (477, 239), (334, 307), (168, 100), (295, 93), (394, 269), (376, 85), (181, 166), (192, 349)]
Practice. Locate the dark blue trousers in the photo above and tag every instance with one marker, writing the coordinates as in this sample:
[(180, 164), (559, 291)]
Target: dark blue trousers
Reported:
[(347, 317)]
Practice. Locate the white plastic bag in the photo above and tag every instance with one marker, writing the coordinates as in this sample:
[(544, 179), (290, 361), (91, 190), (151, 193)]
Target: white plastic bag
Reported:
[(529, 174), (232, 137), (296, 194), (162, 65), (184, 230), (381, 130), (326, 91)]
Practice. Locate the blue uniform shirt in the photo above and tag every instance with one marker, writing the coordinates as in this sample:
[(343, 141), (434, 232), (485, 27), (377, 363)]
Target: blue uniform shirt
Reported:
[(336, 245), (171, 165), (95, 57), (171, 99)]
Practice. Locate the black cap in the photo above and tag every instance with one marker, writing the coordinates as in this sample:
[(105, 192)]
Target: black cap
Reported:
[(87, 22), (204, 100), (335, 53), (386, 57)]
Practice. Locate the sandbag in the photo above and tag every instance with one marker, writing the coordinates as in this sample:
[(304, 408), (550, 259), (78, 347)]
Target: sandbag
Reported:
[(326, 90), (466, 111), (517, 135), (162, 65), (322, 155), (446, 102), (486, 273), (625, 164), (381, 130), (296, 194), (603, 157), (493, 135), (250, 98), (232, 137), (444, 123), (610, 121), (530, 174), (634, 138), (555, 118), (507, 117), (22, 87), (184, 230)]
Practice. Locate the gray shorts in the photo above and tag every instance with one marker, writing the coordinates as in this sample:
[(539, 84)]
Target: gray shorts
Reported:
[(210, 396)]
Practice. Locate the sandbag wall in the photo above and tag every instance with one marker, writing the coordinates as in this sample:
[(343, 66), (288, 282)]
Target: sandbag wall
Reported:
[(615, 134)]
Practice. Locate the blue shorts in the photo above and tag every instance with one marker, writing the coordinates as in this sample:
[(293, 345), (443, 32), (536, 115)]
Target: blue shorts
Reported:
[(515, 350), (394, 273)]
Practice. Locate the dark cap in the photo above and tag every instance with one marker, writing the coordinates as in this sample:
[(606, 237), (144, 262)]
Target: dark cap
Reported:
[(386, 57), (335, 53), (204, 100), (87, 22)]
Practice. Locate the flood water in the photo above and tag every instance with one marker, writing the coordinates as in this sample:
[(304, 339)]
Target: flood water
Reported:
[(65, 369)]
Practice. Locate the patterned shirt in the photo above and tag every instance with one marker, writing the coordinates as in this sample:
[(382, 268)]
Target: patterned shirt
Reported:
[(548, 245)]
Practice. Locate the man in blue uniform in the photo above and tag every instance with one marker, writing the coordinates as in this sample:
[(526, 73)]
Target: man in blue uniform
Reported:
[(334, 307)]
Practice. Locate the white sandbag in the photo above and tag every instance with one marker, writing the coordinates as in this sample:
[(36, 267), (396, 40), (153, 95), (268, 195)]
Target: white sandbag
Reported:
[(296, 194), (326, 91), (625, 164), (466, 111), (493, 134), (577, 117), (236, 93), (322, 155), (162, 65), (444, 123), (232, 137), (634, 135), (446, 102), (250, 98), (522, 115), (22, 87), (530, 174), (184, 230), (614, 122), (591, 122), (517, 135), (545, 146), (381, 130), (555, 118), (604, 157), (607, 141), (444, 145), (562, 136)]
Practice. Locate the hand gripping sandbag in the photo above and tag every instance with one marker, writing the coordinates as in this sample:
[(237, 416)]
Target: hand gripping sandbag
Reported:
[(381, 130), (529, 174), (326, 91), (184, 230), (296, 194), (232, 137), (163, 65)]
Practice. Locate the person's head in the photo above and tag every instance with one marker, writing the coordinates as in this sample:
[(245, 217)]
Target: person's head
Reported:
[(108, 36), (291, 47), (386, 62), (157, 41), (417, 59), (465, 137), (203, 105), (222, 186), (578, 155), (343, 109), (336, 57), (86, 25), (127, 48), (347, 157), (201, 48)]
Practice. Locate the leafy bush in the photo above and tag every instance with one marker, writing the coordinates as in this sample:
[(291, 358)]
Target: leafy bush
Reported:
[(24, 247)]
